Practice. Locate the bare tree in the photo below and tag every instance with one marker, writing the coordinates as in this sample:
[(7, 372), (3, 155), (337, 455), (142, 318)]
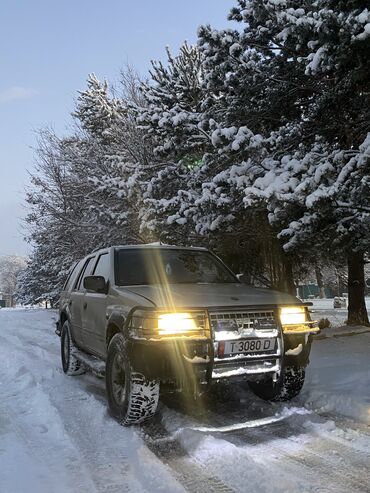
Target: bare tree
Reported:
[(10, 268)]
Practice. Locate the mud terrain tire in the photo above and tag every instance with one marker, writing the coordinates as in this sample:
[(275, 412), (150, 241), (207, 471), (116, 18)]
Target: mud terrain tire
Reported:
[(132, 398)]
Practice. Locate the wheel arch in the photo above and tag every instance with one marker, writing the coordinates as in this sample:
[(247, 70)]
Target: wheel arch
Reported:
[(63, 318), (112, 330), (115, 325)]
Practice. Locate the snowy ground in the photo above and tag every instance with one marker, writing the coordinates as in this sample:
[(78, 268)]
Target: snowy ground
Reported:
[(56, 435)]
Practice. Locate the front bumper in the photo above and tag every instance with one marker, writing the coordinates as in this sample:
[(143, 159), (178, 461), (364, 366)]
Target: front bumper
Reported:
[(190, 360), (176, 360)]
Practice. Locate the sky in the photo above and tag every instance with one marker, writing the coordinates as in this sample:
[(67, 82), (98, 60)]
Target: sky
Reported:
[(47, 50)]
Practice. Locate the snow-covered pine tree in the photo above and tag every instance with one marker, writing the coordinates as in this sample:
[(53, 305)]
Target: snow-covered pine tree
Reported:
[(173, 105), (122, 155), (321, 184), (170, 118), (190, 197)]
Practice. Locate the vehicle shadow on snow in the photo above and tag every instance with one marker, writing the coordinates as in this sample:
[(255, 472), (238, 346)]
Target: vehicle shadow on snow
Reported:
[(232, 412), (224, 406)]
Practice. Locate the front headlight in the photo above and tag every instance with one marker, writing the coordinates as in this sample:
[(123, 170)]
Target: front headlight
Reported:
[(293, 315), (176, 323), (153, 324)]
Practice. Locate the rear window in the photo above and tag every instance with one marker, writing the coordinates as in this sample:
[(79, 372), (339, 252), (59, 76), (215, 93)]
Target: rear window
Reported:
[(162, 266)]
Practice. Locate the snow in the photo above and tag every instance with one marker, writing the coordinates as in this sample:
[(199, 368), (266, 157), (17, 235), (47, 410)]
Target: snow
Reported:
[(366, 32), (323, 308), (244, 371), (294, 352), (196, 359), (315, 58), (286, 412), (56, 434), (340, 383), (303, 444), (364, 16)]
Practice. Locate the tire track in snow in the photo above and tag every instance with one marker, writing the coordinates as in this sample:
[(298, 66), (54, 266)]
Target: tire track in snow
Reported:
[(320, 454), (194, 478), (324, 457)]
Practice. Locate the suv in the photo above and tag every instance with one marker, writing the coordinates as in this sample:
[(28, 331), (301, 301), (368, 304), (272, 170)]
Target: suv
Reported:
[(151, 317)]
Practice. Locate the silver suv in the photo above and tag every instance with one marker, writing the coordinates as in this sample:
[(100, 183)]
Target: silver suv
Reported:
[(162, 317)]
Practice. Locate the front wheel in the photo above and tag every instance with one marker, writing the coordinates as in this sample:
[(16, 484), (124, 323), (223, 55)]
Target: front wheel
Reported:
[(288, 385), (132, 398)]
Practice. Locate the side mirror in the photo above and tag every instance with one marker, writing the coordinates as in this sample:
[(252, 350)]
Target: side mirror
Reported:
[(97, 284)]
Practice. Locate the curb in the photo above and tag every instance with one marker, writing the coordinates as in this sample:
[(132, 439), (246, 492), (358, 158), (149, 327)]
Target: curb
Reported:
[(349, 333)]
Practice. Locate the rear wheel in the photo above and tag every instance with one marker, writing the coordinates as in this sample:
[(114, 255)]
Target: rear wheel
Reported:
[(288, 385), (70, 364), (132, 398)]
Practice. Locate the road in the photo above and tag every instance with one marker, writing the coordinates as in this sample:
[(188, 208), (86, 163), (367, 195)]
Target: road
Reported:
[(56, 434)]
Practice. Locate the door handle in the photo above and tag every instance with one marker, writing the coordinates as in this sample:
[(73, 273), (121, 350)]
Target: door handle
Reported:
[(85, 305)]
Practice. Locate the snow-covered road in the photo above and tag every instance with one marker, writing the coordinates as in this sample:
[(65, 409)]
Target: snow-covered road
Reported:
[(56, 434)]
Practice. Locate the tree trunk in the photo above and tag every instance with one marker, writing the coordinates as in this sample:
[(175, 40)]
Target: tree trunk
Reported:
[(357, 313), (287, 281), (320, 282)]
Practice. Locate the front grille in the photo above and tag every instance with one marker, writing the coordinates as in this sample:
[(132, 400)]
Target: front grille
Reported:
[(242, 320)]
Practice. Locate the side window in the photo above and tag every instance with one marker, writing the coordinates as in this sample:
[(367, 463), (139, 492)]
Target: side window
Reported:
[(102, 268), (84, 272), (71, 277)]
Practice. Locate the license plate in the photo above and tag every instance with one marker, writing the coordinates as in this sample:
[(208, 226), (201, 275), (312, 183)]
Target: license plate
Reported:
[(249, 346)]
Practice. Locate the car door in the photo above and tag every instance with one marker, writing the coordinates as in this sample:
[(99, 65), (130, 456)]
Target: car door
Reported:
[(94, 315), (76, 301)]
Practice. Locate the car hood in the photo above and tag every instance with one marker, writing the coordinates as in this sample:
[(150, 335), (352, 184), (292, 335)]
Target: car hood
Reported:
[(211, 295)]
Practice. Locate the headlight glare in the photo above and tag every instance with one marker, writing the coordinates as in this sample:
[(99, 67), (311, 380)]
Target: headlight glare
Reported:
[(294, 315), (176, 323)]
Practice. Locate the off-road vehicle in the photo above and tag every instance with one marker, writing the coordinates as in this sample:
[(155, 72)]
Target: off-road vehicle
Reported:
[(172, 318)]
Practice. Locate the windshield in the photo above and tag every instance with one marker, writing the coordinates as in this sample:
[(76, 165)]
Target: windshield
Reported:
[(161, 266)]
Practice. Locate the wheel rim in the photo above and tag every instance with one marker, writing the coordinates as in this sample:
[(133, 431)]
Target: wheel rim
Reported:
[(118, 380), (65, 349)]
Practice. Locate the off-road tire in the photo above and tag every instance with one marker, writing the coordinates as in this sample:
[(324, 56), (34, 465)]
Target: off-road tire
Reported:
[(139, 396), (288, 385), (70, 364)]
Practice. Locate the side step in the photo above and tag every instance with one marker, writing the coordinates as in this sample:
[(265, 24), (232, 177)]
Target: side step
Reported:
[(95, 365)]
